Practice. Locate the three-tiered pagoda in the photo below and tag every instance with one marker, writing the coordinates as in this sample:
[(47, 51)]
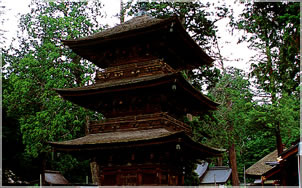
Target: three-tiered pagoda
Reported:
[(144, 97)]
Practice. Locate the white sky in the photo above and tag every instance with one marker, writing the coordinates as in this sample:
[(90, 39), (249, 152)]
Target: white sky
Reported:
[(228, 43)]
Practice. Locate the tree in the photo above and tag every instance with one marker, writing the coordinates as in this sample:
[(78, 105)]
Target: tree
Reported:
[(41, 64), (227, 127), (274, 30), (243, 125)]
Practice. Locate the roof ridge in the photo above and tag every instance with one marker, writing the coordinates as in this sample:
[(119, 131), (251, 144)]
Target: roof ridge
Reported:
[(136, 23)]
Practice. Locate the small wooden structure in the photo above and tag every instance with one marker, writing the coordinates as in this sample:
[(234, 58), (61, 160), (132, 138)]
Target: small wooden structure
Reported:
[(276, 169), (144, 97), (260, 167), (285, 170)]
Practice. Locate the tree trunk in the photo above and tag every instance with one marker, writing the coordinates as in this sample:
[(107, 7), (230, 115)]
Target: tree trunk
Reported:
[(283, 173), (86, 125), (279, 140), (43, 168), (233, 163)]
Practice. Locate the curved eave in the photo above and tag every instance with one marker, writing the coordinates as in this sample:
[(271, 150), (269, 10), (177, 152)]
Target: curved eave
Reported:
[(116, 86), (191, 42), (148, 82), (169, 138), (211, 151), (179, 35), (90, 41), (127, 139), (197, 94)]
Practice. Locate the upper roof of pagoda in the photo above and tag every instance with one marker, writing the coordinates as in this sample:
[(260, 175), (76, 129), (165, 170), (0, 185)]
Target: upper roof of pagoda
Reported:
[(142, 38)]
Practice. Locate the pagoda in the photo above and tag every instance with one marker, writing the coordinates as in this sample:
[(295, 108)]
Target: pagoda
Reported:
[(144, 98)]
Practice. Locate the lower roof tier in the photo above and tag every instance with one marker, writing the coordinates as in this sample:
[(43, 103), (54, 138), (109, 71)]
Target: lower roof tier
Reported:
[(134, 139), (151, 94)]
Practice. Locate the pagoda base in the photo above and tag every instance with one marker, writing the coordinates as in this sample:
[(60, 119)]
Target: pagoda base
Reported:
[(144, 174), (153, 152), (137, 167)]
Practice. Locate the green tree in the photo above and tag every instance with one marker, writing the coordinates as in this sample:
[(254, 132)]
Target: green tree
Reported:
[(227, 127), (244, 122), (42, 63), (274, 30), (262, 118)]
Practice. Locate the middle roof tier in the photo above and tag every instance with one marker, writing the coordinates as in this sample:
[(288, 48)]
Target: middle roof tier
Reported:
[(165, 92)]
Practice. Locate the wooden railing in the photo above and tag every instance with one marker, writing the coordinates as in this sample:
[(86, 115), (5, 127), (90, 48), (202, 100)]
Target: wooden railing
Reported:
[(145, 121)]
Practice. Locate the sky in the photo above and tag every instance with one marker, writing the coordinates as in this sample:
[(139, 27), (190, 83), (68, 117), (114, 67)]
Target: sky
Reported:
[(228, 43)]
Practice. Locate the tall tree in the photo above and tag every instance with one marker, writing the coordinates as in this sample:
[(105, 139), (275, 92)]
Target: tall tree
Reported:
[(40, 64), (274, 31), (227, 127)]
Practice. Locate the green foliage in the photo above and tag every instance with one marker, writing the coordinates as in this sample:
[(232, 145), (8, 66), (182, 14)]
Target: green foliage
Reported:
[(248, 124), (285, 113), (191, 178), (274, 31), (227, 124), (34, 114), (74, 168), (41, 64)]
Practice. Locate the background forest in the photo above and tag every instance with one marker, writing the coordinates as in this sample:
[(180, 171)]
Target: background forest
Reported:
[(259, 108)]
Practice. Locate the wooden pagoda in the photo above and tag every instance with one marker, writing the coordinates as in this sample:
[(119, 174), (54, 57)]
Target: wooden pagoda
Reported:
[(144, 97)]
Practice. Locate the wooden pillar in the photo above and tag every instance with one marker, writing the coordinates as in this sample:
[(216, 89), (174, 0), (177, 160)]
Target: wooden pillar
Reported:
[(158, 176), (118, 177), (95, 172), (139, 177), (284, 174), (219, 161), (43, 168)]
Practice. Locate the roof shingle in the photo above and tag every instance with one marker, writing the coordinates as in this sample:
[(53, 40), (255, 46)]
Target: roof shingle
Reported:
[(260, 167)]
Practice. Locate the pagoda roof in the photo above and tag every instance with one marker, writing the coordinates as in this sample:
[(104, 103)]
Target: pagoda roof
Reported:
[(143, 27), (136, 23), (132, 138), (110, 84), (76, 94), (117, 137)]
